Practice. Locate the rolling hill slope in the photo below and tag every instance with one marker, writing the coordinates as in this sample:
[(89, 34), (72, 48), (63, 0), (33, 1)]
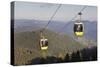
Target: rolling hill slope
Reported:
[(26, 45), (57, 43)]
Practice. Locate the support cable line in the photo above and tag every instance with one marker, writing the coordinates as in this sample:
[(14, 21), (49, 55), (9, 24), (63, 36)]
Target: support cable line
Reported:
[(51, 17)]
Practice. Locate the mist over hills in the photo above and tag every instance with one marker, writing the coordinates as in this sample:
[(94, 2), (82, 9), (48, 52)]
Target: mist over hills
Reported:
[(90, 27)]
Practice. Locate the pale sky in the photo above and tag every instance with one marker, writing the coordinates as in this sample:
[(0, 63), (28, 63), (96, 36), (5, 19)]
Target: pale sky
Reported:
[(43, 11)]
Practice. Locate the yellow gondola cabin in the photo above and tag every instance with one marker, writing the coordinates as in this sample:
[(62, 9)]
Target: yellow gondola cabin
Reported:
[(44, 44), (79, 29)]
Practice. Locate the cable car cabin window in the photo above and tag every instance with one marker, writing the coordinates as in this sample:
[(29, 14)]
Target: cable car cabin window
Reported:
[(44, 43), (78, 28)]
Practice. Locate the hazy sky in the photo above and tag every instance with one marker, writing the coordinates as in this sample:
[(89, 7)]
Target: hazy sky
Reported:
[(43, 11)]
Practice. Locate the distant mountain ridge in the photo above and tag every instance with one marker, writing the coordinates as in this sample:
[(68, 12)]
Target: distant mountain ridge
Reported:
[(23, 25)]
